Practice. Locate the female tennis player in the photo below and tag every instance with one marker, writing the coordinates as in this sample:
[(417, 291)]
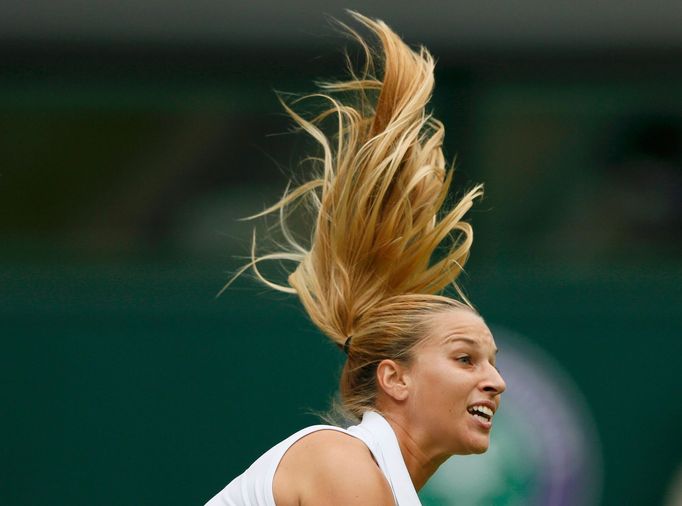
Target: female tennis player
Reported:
[(420, 378)]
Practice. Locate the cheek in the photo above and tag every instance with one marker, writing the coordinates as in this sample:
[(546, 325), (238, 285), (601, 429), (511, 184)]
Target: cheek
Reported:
[(443, 391), (456, 393)]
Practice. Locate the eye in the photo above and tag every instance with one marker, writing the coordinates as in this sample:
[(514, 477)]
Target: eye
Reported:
[(464, 359)]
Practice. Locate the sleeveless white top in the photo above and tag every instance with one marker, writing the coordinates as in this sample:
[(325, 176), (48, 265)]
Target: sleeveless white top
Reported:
[(254, 486)]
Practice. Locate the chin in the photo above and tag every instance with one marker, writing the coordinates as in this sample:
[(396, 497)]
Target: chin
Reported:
[(478, 451), (478, 447)]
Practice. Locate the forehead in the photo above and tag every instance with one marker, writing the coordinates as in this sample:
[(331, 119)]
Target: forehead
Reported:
[(453, 324)]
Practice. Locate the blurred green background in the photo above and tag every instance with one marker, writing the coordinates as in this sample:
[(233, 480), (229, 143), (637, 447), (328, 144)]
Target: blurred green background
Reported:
[(126, 158)]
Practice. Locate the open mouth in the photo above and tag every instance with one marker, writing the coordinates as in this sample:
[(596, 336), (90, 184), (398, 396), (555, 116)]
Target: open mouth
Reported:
[(482, 412)]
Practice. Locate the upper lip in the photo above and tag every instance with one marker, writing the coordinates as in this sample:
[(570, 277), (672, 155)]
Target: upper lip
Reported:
[(487, 404)]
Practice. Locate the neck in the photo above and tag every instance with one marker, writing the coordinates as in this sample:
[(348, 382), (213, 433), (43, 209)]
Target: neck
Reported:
[(419, 464)]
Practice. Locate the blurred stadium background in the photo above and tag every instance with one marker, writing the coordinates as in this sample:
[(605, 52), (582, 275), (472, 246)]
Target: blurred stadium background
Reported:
[(134, 134)]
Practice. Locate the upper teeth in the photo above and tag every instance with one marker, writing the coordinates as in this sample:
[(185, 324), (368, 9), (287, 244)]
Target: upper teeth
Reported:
[(483, 409)]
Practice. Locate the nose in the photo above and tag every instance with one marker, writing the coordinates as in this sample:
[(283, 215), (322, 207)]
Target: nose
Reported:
[(494, 382)]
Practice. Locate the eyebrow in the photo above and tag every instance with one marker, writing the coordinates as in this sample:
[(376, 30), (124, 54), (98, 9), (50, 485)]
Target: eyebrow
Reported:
[(452, 339)]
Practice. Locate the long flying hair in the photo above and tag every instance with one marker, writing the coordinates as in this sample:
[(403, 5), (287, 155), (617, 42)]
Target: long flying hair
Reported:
[(370, 269)]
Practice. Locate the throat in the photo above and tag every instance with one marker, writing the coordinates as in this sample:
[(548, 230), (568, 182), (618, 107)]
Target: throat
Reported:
[(419, 464)]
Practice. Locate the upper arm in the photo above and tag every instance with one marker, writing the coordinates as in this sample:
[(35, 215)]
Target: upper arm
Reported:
[(335, 469), (348, 478)]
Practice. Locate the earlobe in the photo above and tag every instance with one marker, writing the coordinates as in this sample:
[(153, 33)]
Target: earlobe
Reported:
[(392, 380)]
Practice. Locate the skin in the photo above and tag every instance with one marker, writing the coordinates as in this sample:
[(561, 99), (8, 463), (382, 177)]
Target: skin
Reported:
[(426, 403)]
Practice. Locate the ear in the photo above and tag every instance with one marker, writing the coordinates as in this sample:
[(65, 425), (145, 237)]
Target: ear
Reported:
[(392, 379)]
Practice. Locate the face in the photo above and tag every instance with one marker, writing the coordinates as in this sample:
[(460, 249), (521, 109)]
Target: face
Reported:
[(453, 383)]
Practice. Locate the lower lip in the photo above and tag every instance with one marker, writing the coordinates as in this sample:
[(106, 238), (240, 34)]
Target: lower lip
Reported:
[(481, 423)]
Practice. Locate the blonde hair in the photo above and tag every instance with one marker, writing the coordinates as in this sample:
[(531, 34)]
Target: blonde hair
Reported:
[(368, 270)]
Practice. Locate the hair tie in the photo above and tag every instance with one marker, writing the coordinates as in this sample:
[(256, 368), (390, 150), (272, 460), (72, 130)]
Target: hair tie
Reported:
[(346, 345)]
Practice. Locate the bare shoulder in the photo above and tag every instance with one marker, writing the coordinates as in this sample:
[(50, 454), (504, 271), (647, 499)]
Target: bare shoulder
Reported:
[(332, 468)]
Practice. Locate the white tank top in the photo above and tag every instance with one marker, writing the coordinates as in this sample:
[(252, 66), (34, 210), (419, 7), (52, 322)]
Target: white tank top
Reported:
[(254, 486)]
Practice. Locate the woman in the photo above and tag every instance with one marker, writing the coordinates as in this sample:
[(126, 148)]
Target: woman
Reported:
[(420, 374)]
